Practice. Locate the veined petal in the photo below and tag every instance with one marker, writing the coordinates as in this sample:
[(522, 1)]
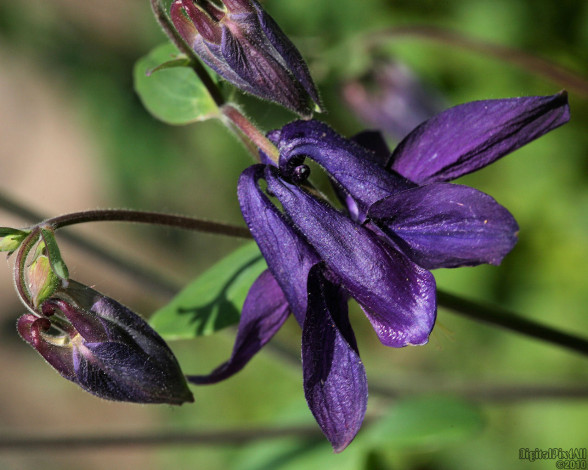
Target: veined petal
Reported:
[(335, 384), (292, 58), (470, 136), (351, 165), (444, 225), (265, 310), (288, 256), (397, 295)]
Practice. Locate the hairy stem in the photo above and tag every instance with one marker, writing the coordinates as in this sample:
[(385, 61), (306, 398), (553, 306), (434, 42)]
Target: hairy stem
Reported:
[(235, 118), (145, 217), (501, 317)]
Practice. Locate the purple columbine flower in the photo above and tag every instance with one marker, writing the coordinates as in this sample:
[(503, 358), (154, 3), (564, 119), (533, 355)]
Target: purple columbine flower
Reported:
[(105, 348), (402, 219), (246, 47)]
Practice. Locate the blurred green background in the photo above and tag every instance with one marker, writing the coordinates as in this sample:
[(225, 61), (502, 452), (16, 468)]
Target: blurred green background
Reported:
[(74, 136)]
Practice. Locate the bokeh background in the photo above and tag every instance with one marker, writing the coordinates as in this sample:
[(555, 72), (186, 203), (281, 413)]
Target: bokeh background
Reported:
[(74, 136)]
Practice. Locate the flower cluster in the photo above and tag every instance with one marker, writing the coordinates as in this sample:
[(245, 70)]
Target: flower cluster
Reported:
[(401, 219)]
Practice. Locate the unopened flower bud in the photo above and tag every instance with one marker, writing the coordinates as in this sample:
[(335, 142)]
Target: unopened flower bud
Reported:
[(105, 348), (246, 47), (41, 280)]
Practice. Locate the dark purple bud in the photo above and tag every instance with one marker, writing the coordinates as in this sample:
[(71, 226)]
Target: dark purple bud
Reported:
[(105, 348), (246, 47), (392, 98)]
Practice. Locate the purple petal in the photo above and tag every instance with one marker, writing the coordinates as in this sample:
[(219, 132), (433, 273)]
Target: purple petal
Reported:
[(374, 142), (470, 136), (294, 61), (265, 310), (444, 225), (351, 165), (397, 295), (288, 256), (335, 384)]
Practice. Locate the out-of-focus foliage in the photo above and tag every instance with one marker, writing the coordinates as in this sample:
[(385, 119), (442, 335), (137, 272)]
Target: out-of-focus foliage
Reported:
[(90, 49)]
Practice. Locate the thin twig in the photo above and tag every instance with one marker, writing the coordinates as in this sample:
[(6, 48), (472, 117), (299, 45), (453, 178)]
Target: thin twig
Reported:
[(562, 76), (498, 316), (146, 217)]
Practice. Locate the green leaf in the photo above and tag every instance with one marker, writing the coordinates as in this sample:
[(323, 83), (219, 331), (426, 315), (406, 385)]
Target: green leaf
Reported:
[(214, 300), (57, 264), (11, 238), (172, 93)]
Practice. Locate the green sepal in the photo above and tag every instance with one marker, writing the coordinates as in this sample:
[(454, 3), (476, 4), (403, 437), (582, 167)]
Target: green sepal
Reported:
[(41, 280), (57, 264), (213, 300), (11, 238)]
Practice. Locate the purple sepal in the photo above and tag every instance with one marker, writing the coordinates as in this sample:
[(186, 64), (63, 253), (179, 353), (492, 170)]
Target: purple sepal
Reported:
[(293, 59), (335, 383), (105, 348), (397, 295), (288, 256), (470, 136), (444, 225), (354, 167), (265, 310)]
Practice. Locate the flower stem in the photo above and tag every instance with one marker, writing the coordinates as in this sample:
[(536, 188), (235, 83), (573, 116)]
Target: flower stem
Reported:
[(497, 316), (166, 24), (144, 217), (237, 119)]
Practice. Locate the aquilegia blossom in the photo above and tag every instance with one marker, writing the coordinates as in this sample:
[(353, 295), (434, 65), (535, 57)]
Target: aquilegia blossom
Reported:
[(245, 46), (402, 219)]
